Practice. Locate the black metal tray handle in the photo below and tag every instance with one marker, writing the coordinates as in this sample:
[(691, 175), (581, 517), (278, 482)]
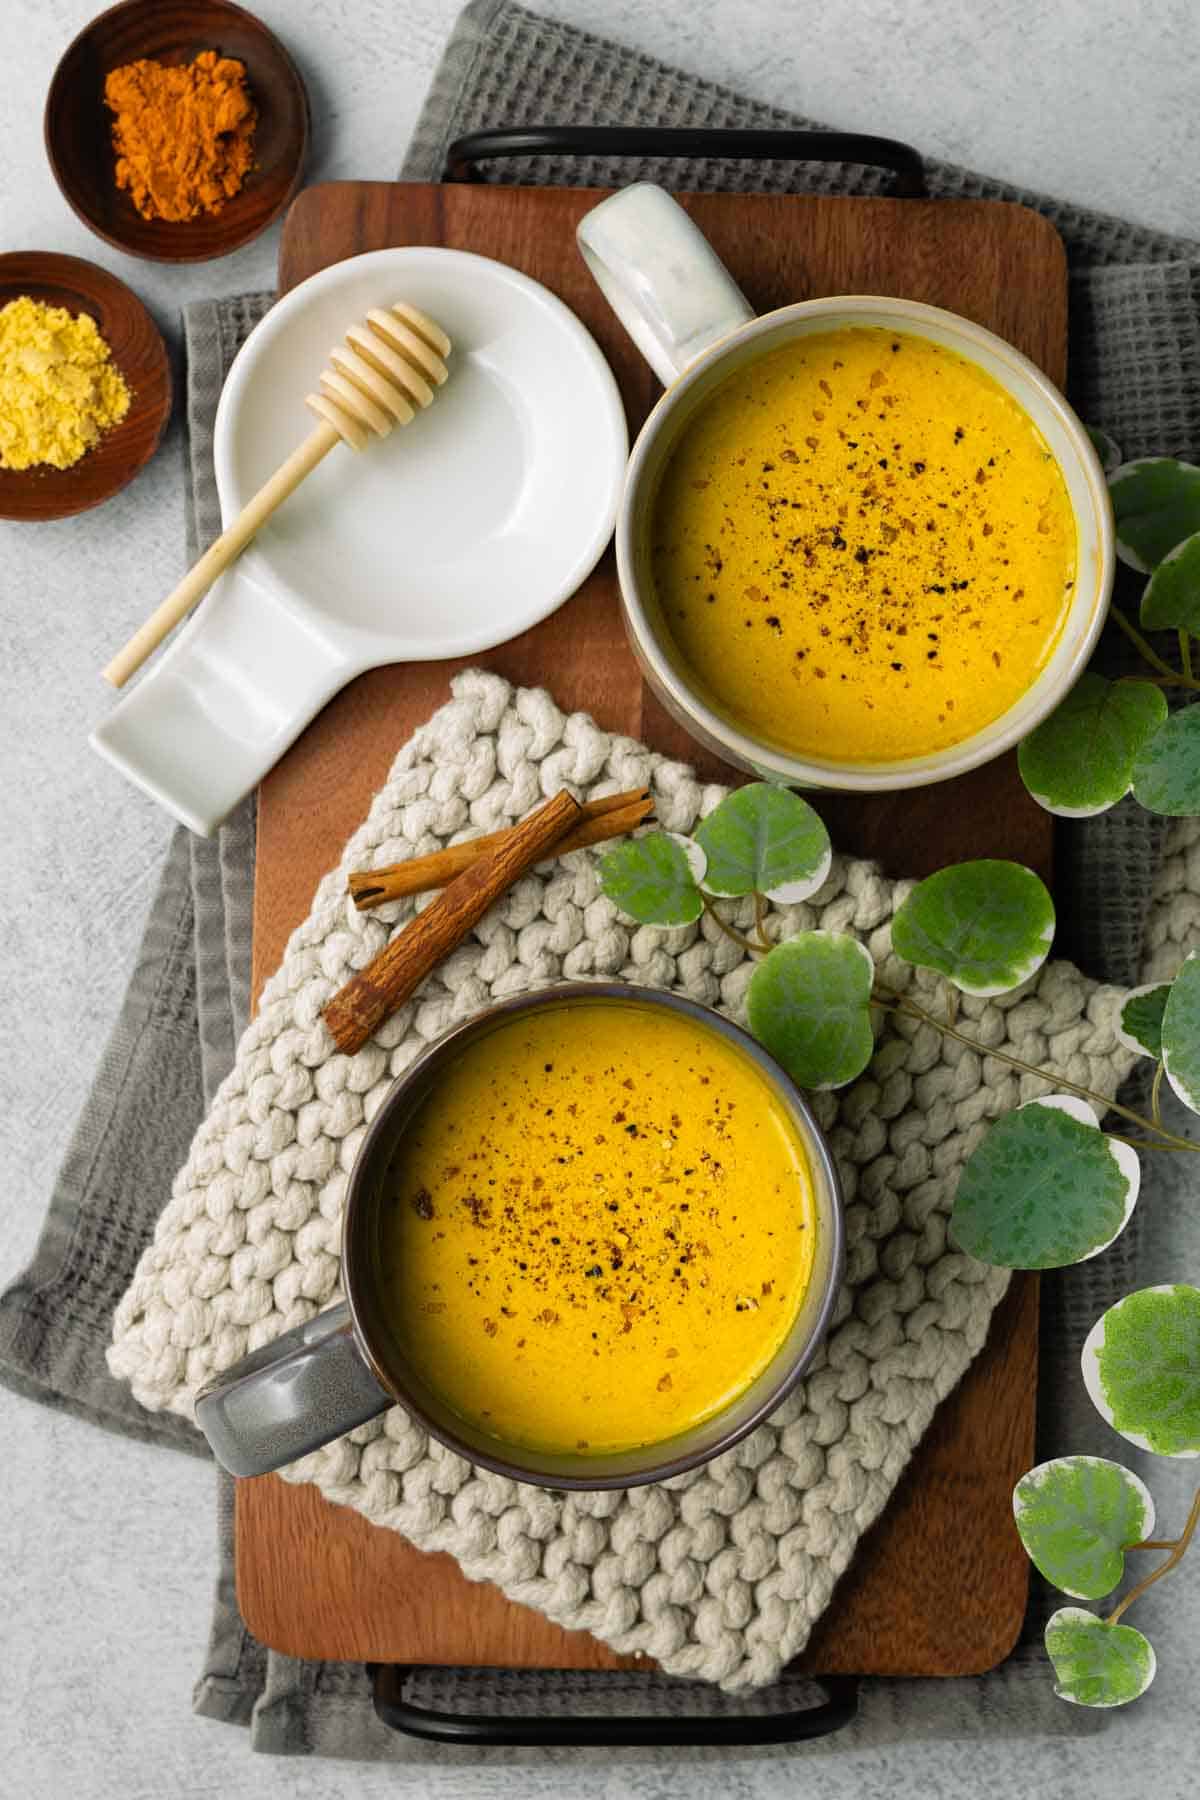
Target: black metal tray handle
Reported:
[(577, 1730), (466, 153)]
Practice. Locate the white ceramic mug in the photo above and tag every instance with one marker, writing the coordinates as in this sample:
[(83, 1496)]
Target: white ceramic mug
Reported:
[(695, 327)]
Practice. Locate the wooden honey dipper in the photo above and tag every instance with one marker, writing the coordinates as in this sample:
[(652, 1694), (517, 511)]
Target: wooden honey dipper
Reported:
[(385, 371)]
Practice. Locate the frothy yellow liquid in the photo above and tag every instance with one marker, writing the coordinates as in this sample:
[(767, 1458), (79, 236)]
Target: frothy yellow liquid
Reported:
[(863, 548), (599, 1230)]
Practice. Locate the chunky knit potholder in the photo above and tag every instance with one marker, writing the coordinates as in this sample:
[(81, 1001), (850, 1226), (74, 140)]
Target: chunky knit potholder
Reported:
[(720, 1573)]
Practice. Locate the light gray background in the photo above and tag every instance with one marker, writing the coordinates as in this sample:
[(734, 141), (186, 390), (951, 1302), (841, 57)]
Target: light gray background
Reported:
[(108, 1544)]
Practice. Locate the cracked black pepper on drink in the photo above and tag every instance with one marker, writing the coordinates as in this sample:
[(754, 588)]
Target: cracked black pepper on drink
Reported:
[(862, 547), (600, 1227)]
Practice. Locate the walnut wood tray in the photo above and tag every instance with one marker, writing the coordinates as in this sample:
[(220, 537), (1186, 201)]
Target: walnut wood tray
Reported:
[(939, 1586)]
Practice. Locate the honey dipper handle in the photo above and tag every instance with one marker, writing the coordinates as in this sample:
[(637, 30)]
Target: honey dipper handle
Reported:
[(218, 556)]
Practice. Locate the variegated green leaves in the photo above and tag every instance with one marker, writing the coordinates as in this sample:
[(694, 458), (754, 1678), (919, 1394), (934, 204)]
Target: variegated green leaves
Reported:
[(1045, 1188), (1080, 760), (1077, 1516), (809, 999), (1140, 1027), (766, 840), (655, 878), (1171, 600), (1141, 1366), (986, 926), (1097, 1663), (1110, 738), (1166, 769), (1180, 1033), (1163, 1021), (1156, 505), (760, 839), (809, 1004)]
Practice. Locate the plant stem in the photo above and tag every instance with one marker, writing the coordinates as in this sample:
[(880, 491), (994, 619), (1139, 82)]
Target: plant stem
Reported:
[(760, 913), (1159, 681), (900, 1003), (1153, 1544), (1149, 652), (1185, 652), (734, 936), (1180, 1545), (1155, 1093), (1148, 1144)]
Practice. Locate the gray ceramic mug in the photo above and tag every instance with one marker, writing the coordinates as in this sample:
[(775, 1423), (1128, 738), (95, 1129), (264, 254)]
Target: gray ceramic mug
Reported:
[(343, 1367)]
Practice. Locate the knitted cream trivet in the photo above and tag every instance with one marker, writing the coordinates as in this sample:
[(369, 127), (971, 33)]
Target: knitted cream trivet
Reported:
[(720, 1573)]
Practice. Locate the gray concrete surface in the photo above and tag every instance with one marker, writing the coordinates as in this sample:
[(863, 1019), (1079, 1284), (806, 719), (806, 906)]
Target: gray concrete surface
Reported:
[(107, 1553)]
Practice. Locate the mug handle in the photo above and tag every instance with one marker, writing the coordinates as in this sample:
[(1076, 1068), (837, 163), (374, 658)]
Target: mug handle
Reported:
[(310, 1386), (661, 276)]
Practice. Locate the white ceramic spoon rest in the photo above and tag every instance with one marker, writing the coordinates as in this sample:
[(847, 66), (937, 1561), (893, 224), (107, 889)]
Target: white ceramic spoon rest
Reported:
[(436, 543), (384, 371)]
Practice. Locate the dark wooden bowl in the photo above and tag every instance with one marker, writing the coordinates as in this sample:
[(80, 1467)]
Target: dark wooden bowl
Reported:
[(78, 125), (140, 354)]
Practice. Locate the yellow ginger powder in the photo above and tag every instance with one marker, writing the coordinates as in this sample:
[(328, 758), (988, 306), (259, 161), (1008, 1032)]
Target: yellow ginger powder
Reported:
[(59, 387)]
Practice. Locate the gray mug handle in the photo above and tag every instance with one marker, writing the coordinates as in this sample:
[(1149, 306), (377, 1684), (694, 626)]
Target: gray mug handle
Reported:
[(311, 1385)]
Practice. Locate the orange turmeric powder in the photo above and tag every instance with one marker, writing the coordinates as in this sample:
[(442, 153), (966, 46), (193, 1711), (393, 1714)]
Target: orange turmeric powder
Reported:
[(183, 135)]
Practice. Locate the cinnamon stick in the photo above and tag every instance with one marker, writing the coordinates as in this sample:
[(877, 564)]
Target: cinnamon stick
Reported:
[(599, 820), (369, 997)]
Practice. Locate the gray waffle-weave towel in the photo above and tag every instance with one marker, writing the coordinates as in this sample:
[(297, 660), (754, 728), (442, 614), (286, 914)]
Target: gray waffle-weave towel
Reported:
[(1135, 369)]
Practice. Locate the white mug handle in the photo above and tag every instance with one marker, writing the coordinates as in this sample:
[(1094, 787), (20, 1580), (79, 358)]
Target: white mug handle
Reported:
[(661, 276)]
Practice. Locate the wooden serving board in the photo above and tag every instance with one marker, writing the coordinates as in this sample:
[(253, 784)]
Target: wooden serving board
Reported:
[(939, 1586)]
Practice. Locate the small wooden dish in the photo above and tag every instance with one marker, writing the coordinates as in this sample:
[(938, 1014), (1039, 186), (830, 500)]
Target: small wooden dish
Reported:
[(78, 125), (137, 350)]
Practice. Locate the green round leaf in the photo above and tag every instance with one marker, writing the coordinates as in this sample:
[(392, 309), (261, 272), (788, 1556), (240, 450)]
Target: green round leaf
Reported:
[(1044, 1188), (1141, 1366), (1077, 1516), (1156, 504), (1166, 770), (1097, 1664), (808, 1004), (1140, 1026), (1171, 597), (654, 878), (1106, 448), (1079, 761), (987, 926), (1181, 1033), (765, 839)]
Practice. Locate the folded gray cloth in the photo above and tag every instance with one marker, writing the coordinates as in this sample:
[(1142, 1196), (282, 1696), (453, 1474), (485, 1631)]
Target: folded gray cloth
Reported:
[(1135, 370)]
